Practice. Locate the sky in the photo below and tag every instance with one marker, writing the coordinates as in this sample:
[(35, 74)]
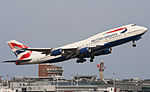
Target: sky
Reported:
[(54, 23)]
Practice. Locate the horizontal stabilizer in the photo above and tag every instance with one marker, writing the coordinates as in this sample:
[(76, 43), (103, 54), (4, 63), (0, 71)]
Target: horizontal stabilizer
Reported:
[(43, 50), (37, 49), (12, 61)]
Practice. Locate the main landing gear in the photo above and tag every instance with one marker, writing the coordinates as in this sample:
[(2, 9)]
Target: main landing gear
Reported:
[(133, 44), (81, 60), (92, 58)]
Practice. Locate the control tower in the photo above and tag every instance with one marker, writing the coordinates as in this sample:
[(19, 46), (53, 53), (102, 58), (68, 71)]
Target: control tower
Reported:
[(101, 68)]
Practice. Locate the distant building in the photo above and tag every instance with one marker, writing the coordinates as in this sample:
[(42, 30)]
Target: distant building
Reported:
[(48, 70), (85, 78)]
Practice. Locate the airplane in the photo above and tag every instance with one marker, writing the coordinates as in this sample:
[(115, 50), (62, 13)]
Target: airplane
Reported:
[(100, 44)]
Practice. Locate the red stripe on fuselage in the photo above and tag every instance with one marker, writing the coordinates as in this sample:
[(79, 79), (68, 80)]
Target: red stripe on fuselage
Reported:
[(116, 30)]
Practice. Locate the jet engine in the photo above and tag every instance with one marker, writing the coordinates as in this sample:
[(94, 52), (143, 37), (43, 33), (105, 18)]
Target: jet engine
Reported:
[(83, 50), (107, 51), (56, 52), (103, 52)]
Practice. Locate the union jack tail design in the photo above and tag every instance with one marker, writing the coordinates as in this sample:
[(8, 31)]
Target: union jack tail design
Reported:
[(16, 48)]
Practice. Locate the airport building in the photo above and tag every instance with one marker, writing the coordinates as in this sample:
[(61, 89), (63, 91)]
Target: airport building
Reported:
[(47, 70), (50, 79), (79, 83)]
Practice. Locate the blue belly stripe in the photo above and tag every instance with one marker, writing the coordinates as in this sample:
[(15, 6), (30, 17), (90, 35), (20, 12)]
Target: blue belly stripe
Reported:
[(122, 41)]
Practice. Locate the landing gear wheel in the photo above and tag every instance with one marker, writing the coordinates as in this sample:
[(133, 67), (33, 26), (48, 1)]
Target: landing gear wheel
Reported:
[(77, 61), (81, 60), (91, 60), (134, 45), (84, 60)]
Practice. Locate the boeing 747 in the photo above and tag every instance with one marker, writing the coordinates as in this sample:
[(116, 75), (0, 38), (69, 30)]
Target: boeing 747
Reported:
[(100, 44)]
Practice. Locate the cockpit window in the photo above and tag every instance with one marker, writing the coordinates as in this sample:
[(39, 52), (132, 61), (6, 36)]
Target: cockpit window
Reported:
[(133, 25)]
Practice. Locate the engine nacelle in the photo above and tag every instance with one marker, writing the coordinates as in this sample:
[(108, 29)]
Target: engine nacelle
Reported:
[(56, 52), (107, 51), (84, 50), (103, 52)]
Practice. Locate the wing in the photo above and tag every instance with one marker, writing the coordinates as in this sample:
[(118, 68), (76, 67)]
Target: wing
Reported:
[(73, 52), (48, 51), (70, 52), (43, 50)]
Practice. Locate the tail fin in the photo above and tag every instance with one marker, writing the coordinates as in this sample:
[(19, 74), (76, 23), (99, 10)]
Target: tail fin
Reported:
[(16, 48)]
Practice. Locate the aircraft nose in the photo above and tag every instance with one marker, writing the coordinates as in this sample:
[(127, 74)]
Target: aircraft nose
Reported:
[(145, 29)]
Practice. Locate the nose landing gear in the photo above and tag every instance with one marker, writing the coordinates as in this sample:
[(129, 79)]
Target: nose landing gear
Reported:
[(133, 44)]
